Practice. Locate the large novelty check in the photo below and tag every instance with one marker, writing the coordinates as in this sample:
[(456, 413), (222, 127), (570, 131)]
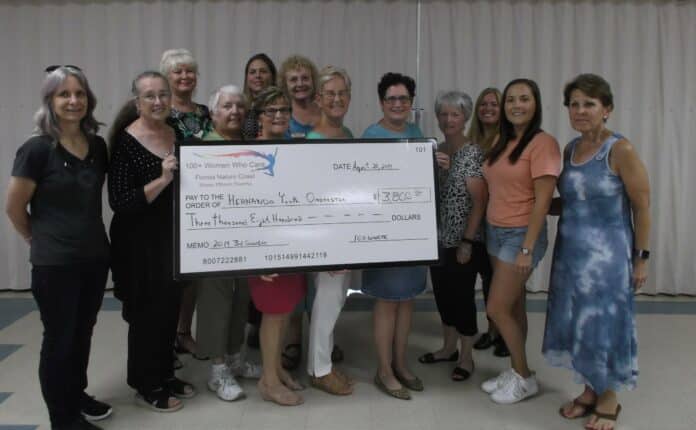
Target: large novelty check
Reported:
[(304, 206)]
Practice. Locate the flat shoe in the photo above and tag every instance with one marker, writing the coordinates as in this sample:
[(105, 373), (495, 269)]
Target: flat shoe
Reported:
[(501, 350), (414, 384), (400, 393), (461, 374), (332, 384), (281, 396), (484, 342), (586, 408), (429, 358)]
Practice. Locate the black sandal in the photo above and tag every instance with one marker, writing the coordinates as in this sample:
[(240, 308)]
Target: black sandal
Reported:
[(157, 400), (336, 354), (461, 374), (291, 361), (429, 358), (180, 389)]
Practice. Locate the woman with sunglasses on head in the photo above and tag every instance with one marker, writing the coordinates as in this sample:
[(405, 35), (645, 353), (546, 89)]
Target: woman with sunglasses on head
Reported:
[(188, 119), (483, 131), (59, 174), (600, 257), (276, 296), (521, 170), (142, 168), (259, 74)]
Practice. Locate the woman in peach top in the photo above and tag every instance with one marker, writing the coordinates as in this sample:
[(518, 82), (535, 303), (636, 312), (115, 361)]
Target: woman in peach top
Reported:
[(521, 170)]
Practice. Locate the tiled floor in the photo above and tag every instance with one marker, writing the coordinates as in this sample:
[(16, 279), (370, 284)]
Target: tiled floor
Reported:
[(663, 400)]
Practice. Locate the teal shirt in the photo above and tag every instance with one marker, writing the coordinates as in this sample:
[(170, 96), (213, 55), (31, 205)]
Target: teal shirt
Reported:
[(376, 131), (314, 135)]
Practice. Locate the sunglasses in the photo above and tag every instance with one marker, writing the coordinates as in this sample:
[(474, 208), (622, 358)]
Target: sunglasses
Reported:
[(55, 67)]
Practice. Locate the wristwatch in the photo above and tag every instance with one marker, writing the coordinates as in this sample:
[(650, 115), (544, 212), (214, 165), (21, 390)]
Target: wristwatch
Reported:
[(643, 254), (525, 251)]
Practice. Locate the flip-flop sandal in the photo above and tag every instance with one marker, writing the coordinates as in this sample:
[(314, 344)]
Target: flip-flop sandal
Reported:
[(608, 417), (291, 361), (587, 409)]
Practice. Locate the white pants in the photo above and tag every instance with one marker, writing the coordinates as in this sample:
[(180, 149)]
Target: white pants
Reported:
[(330, 296)]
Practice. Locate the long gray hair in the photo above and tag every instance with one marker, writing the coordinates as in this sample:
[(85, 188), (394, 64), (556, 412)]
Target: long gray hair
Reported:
[(45, 120)]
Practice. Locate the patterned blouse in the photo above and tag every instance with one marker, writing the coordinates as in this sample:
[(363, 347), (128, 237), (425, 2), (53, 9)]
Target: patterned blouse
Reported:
[(455, 201), (190, 124)]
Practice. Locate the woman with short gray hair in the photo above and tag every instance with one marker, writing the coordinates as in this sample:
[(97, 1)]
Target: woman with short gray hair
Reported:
[(463, 195)]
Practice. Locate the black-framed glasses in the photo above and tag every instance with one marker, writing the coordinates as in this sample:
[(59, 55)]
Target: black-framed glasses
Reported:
[(55, 67), (272, 112), (391, 100)]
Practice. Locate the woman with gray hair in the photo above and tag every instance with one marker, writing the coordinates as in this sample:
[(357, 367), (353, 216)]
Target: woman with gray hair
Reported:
[(463, 195), (59, 174), (223, 303)]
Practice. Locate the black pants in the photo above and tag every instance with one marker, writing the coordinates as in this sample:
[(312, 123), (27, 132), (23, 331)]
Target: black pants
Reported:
[(69, 298), (454, 287), (152, 320)]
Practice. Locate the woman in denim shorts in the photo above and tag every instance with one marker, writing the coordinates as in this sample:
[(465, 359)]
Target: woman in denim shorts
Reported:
[(521, 170)]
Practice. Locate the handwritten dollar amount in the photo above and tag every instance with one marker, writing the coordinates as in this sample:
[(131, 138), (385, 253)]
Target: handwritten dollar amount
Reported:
[(403, 195)]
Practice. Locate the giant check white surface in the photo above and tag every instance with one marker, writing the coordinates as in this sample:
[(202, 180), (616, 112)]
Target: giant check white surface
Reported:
[(274, 207)]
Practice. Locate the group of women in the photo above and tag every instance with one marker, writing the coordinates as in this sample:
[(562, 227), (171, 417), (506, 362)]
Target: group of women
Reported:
[(497, 183)]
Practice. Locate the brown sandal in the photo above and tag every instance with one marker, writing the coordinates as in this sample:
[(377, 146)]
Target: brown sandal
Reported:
[(606, 416), (587, 409)]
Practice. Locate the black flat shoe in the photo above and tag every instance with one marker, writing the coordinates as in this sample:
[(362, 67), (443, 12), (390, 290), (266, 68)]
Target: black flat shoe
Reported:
[(429, 358), (501, 350), (484, 342)]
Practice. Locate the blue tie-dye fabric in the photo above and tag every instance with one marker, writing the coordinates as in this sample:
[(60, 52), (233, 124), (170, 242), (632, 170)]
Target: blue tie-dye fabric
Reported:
[(590, 324)]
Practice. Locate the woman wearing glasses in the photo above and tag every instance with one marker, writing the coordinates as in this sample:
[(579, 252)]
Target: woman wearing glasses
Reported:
[(276, 296), (333, 99), (140, 193), (59, 173), (394, 288)]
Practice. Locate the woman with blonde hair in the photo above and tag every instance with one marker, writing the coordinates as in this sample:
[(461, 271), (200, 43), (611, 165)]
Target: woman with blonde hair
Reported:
[(298, 79), (483, 131)]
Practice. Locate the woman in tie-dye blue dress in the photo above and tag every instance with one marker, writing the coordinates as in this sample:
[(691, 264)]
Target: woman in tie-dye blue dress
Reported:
[(590, 323)]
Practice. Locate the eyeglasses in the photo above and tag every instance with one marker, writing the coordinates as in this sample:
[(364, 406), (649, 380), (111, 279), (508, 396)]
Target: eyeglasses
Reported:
[(272, 112), (334, 95), (391, 100), (150, 98), (55, 67)]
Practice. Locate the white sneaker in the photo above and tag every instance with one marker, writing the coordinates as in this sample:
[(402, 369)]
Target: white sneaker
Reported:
[(492, 385), (229, 390), (223, 383), (516, 389), (243, 369)]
